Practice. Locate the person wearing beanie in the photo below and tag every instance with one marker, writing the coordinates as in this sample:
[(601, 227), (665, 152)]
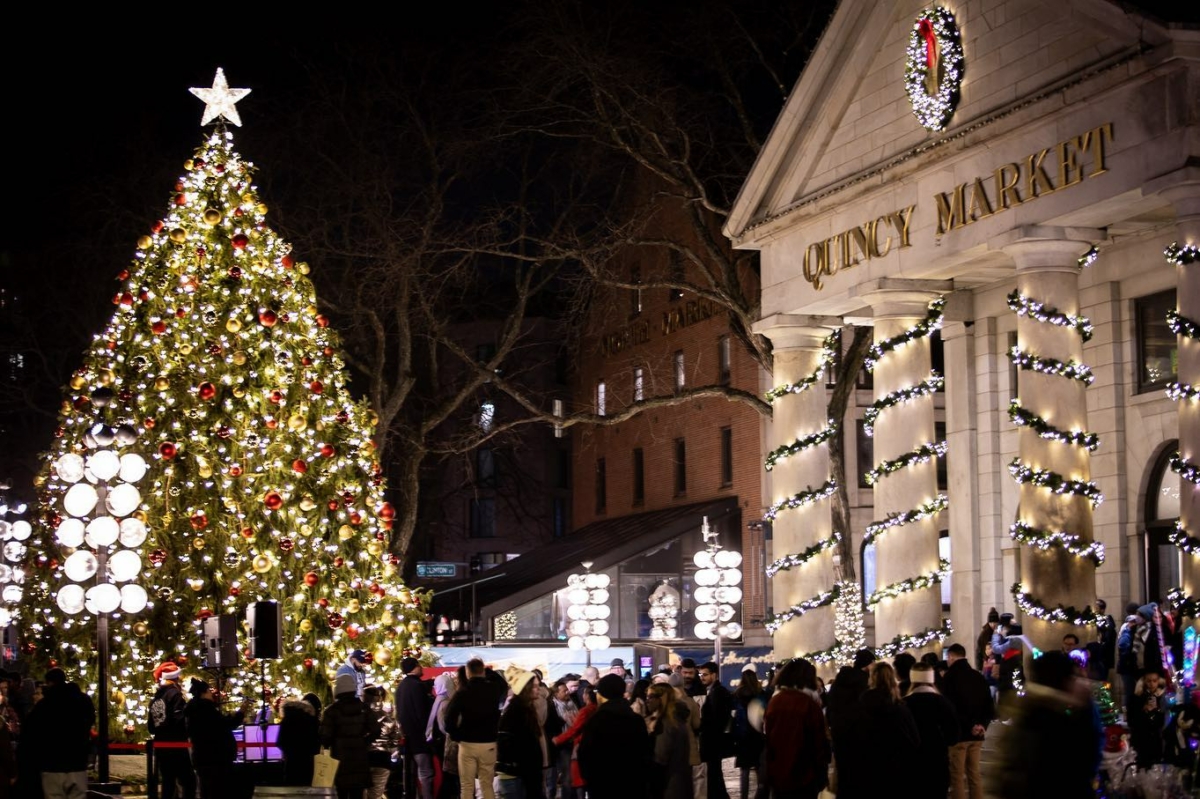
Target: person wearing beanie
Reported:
[(299, 739), (347, 728), (167, 723), (211, 734), (985, 636), (520, 743), (413, 703), (356, 667), (937, 723), (59, 731), (614, 748)]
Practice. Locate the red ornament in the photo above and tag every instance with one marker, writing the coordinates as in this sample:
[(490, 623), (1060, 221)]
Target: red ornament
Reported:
[(300, 466), (328, 352), (199, 521), (143, 295), (158, 327), (308, 663), (322, 320), (342, 417), (272, 423), (126, 299), (323, 602), (339, 562), (356, 518), (234, 591), (247, 532), (207, 391), (316, 387), (386, 511), (273, 500), (80, 403), (148, 423), (123, 274), (352, 632), (240, 241), (235, 272), (235, 470), (158, 557), (334, 504), (286, 261), (53, 663), (276, 396), (204, 613), (311, 579), (284, 317), (157, 227), (181, 199), (167, 450), (214, 348), (268, 318), (328, 451), (306, 361), (182, 312), (286, 544), (335, 620)]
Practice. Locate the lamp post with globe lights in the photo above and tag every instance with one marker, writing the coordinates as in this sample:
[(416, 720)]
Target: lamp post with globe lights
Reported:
[(102, 535), (588, 611), (717, 592), (14, 531)]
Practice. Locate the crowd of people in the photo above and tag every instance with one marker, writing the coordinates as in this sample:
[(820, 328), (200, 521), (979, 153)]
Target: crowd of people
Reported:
[(922, 727)]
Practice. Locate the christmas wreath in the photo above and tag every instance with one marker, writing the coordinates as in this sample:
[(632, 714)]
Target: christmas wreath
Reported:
[(933, 71)]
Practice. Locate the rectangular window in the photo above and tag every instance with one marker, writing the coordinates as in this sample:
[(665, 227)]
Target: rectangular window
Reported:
[(560, 517), (726, 456), (557, 410), (680, 372), (563, 470), (864, 447), (937, 354), (944, 554), (484, 352), (943, 463), (601, 398), (723, 360), (680, 467), (639, 384), (635, 295), (1013, 372), (639, 476), (487, 416), (485, 467), (1157, 345), (483, 518), (601, 486)]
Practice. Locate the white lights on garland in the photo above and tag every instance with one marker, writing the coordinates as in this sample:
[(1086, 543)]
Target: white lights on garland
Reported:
[(1051, 366), (1088, 258), (1056, 539), (1024, 306), (849, 630), (1055, 482), (1182, 326), (933, 67), (922, 454), (1059, 614), (909, 585), (799, 559), (588, 610), (920, 640), (806, 497), (930, 385), (1180, 538), (1182, 391), (1181, 256), (919, 513), (828, 353), (1185, 468), (823, 599), (800, 444), (1024, 418), (932, 321)]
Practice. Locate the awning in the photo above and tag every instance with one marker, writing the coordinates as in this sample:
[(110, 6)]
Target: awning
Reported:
[(606, 543)]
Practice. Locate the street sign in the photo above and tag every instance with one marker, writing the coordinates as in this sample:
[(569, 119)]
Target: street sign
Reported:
[(429, 568)]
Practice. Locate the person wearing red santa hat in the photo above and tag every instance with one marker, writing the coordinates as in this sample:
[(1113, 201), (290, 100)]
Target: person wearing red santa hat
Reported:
[(167, 725)]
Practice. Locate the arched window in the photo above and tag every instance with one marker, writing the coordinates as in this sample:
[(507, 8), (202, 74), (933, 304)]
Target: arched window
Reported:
[(1162, 558)]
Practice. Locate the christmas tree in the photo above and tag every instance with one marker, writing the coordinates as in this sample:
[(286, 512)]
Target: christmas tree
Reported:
[(262, 479)]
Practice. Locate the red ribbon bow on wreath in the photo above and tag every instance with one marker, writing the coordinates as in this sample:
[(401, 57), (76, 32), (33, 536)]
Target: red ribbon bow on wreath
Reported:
[(925, 28)]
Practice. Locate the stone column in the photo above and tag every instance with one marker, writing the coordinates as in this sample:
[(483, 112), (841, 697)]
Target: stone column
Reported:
[(1047, 262), (797, 343), (966, 605), (909, 551)]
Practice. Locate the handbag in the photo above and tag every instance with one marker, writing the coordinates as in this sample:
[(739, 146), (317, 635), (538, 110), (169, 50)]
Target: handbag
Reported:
[(325, 768)]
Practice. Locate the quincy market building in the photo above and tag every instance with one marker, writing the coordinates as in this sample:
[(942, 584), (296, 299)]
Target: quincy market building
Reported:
[(1038, 132)]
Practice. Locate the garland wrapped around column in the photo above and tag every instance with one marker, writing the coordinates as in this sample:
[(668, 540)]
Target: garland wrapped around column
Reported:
[(1182, 326), (921, 454), (1021, 531)]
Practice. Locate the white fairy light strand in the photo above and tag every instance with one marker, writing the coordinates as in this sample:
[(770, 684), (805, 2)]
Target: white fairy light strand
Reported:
[(907, 586), (1182, 326), (801, 499), (828, 353), (799, 445), (1181, 256), (1189, 544), (930, 385), (1053, 481), (1045, 540), (932, 321), (1038, 311), (799, 559), (931, 508), (1059, 614), (1182, 391), (1185, 468), (920, 640), (1026, 418), (1051, 366), (823, 599), (922, 454)]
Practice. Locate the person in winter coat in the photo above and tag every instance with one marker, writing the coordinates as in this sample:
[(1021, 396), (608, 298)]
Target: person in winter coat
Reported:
[(848, 687), (385, 746), (472, 720), (60, 728), (667, 725), (565, 711), (937, 726), (167, 725), (347, 728), (413, 703), (797, 738), (571, 737), (1148, 718), (552, 725), (211, 734), (443, 748), (1106, 633), (968, 691), (716, 717), (875, 741), (300, 738), (985, 636), (614, 749), (355, 667), (520, 753), (748, 743)]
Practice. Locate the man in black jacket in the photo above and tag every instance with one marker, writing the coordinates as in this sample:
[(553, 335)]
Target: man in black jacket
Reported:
[(473, 719), (968, 692), (168, 726), (61, 726), (213, 745), (716, 719), (413, 703), (614, 747)]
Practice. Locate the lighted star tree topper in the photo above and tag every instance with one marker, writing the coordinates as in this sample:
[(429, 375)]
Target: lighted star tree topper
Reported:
[(263, 482)]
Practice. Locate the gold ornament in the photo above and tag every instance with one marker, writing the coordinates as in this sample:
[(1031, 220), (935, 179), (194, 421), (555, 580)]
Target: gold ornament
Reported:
[(66, 406), (212, 216), (261, 208), (233, 325), (203, 468), (185, 349), (306, 530), (387, 618), (189, 165), (389, 570), (382, 656), (306, 626), (345, 532), (312, 310), (195, 583), (239, 358), (261, 564), (302, 268), (161, 384), (375, 549), (118, 696), (141, 629), (106, 377), (78, 382), (248, 198), (307, 503), (141, 516), (414, 626), (353, 606), (198, 543), (297, 422), (145, 242), (239, 392), (178, 235)]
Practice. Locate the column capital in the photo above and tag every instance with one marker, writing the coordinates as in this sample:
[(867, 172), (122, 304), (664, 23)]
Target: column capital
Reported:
[(797, 331), (896, 297), (1047, 248), (1181, 188)]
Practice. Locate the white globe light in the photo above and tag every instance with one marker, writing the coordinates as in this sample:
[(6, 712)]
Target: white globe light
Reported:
[(727, 613), (18, 574), (14, 551), (80, 499), (731, 577), (706, 613), (703, 629), (602, 580), (5, 529), (574, 612), (103, 530), (124, 566), (732, 630), (708, 577), (133, 532), (600, 627), (70, 533), (102, 598), (591, 611), (123, 499), (12, 593), (80, 566), (705, 595), (703, 559), (728, 559), (133, 598), (21, 530), (133, 467), (104, 464), (599, 596), (595, 642), (602, 611), (592, 581), (574, 642), (5, 618), (7, 573), (70, 598), (69, 468), (730, 594), (575, 581), (579, 627), (578, 596)]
